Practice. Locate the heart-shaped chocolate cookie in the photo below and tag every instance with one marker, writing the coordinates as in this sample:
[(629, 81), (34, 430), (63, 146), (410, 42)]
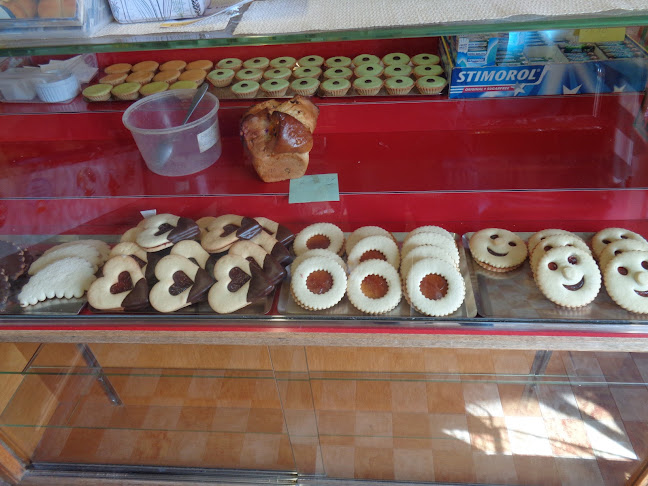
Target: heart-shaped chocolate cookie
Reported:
[(273, 247), (224, 231), (163, 230), (257, 256), (181, 283), (122, 287), (279, 232)]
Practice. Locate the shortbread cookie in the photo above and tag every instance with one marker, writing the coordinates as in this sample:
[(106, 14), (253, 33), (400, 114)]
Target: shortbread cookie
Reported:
[(498, 249), (608, 235), (325, 236), (435, 287), (279, 232), (203, 223), (223, 231), (555, 241), (101, 246), (88, 253), (364, 232), (618, 247), (192, 250), (374, 287), (12, 260), (164, 230), (374, 248), (237, 285), (421, 252), (180, 283), (69, 277), (626, 280), (430, 229), (273, 247), (545, 233), (265, 263), (318, 283), (132, 250), (122, 286), (130, 235), (430, 238), (317, 253), (568, 276)]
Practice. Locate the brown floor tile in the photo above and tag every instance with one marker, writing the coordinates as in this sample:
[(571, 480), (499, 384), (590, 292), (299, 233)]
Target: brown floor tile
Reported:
[(230, 419), (129, 417), (301, 423), (494, 469), (557, 402), (619, 367), (81, 446), (568, 438), (196, 418), (332, 422), (266, 421), (186, 450), (171, 391), (263, 451), (475, 361), (334, 395), (441, 361), (631, 402), (556, 366), (641, 362), (339, 461), (596, 402), (413, 465), (616, 473), (51, 444), (116, 446), (579, 472), (295, 395), (638, 435), (236, 393), (489, 435), (454, 467), (152, 447), (337, 440), (409, 397), (582, 367), (445, 398), (373, 395), (536, 471), (512, 362), (519, 400), (482, 399), (410, 424), (374, 463), (265, 395), (288, 358), (308, 458), (223, 450), (203, 392)]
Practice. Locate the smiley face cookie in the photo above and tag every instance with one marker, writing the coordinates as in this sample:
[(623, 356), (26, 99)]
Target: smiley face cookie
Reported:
[(164, 230), (545, 233), (616, 248), (608, 235), (568, 276), (181, 283), (498, 250), (223, 231), (555, 241), (626, 280), (122, 287)]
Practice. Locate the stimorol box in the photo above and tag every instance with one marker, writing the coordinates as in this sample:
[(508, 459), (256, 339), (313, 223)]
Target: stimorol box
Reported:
[(539, 65)]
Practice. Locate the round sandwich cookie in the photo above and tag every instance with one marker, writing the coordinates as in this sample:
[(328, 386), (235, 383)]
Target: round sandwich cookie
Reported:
[(318, 252), (545, 233), (318, 283), (429, 238), (374, 248), (626, 280), (617, 247), (364, 232), (421, 252), (374, 287), (568, 277), (555, 241), (435, 287), (431, 229), (497, 249), (325, 236), (608, 235)]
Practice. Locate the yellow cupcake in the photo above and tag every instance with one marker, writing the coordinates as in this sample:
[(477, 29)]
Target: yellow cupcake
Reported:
[(195, 75), (122, 67), (113, 79), (145, 66), (173, 66), (141, 77), (167, 76), (201, 64)]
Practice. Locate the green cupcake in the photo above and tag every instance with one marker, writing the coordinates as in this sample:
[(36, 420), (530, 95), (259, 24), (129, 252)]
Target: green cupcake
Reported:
[(307, 72), (395, 58), (275, 87), (305, 86), (336, 87), (338, 61), (126, 91), (365, 59), (368, 70), (283, 62), (311, 61), (184, 85), (425, 59), (428, 70), (397, 70), (245, 89), (220, 78), (277, 73), (430, 85), (98, 92), (338, 72), (367, 85), (249, 74), (152, 88), (257, 63), (232, 63), (399, 85)]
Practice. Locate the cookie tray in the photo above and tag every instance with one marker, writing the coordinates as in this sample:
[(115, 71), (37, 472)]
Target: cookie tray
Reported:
[(286, 305), (515, 295)]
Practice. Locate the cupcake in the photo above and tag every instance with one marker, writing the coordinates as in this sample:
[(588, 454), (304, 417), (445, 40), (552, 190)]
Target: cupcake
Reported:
[(397, 70), (184, 85), (305, 86), (173, 66), (311, 61), (338, 72), (277, 73), (283, 62), (427, 70), (195, 75), (257, 63), (113, 79), (425, 60), (336, 87), (152, 88), (245, 89), (395, 58), (307, 72), (97, 92), (365, 59), (399, 85), (122, 67), (230, 63), (140, 77), (338, 61), (249, 74), (430, 84), (367, 85), (168, 77), (145, 66), (368, 70), (221, 77), (275, 87), (126, 91), (202, 64)]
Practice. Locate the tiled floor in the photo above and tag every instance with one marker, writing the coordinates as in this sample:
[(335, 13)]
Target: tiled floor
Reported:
[(587, 424)]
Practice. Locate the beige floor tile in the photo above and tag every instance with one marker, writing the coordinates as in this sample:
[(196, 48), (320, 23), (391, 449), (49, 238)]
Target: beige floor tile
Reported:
[(162, 418), (339, 461), (489, 435), (336, 422), (230, 419), (266, 421), (373, 424), (519, 400), (475, 361), (494, 469), (512, 362), (413, 465), (261, 451), (579, 472), (223, 450), (536, 471), (152, 447), (116, 446), (609, 440), (374, 463), (482, 399), (196, 418), (334, 395), (568, 438), (528, 436), (442, 361), (410, 425), (557, 402), (301, 423)]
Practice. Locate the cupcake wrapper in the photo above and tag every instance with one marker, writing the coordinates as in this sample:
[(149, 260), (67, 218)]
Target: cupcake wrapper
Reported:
[(335, 92), (430, 91), (305, 92), (104, 97), (255, 78), (220, 83), (399, 91), (252, 94), (128, 97), (368, 91), (277, 92)]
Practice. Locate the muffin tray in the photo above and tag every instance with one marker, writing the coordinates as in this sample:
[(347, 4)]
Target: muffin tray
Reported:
[(515, 295), (286, 305)]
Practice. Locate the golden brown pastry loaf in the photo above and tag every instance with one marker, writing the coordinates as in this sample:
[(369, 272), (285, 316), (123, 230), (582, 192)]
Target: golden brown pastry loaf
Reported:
[(279, 136)]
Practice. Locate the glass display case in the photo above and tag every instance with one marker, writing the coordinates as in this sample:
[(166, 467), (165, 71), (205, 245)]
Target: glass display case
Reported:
[(510, 388)]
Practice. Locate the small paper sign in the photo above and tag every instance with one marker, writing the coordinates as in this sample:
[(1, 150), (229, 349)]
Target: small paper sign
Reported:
[(608, 34), (314, 188)]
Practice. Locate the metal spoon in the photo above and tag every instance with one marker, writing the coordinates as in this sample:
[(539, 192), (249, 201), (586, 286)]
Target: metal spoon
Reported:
[(165, 149)]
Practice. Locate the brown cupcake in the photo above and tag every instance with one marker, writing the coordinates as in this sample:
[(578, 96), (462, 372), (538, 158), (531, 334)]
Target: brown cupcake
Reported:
[(145, 66), (167, 76), (203, 64), (141, 77), (113, 79), (173, 66), (195, 75), (122, 67)]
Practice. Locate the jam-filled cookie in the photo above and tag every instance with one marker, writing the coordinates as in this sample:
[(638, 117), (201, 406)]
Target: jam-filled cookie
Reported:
[(256, 255), (318, 283), (365, 232), (435, 287), (223, 231), (498, 249), (430, 229), (374, 287), (375, 248), (555, 241), (317, 253), (180, 283), (568, 276), (164, 230), (430, 238), (626, 280), (421, 252), (608, 235), (616, 248), (122, 286), (325, 236), (545, 233)]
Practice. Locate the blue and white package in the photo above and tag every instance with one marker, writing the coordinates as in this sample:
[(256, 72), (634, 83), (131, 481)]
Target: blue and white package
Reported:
[(476, 50)]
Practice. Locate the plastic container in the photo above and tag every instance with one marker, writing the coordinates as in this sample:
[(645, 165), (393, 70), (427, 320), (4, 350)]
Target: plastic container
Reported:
[(169, 148), (32, 85)]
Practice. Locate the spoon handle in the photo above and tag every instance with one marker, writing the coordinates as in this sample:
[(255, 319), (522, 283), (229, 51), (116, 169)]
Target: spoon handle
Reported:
[(194, 102)]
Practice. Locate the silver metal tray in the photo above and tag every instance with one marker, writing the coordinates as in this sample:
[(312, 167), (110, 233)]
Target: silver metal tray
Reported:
[(286, 305), (515, 295)]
